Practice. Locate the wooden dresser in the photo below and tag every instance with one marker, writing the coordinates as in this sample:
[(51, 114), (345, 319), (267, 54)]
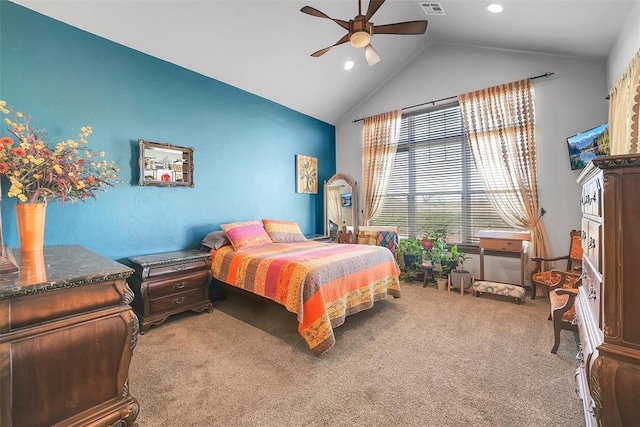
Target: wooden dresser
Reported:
[(608, 306), (67, 336), (170, 283)]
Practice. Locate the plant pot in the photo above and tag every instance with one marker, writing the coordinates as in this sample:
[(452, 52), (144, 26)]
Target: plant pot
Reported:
[(410, 259), (442, 283), (460, 275)]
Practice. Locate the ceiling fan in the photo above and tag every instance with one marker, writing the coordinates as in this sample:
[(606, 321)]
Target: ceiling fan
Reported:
[(360, 30)]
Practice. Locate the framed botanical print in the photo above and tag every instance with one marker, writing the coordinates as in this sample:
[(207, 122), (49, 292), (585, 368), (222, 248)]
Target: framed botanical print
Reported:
[(306, 174)]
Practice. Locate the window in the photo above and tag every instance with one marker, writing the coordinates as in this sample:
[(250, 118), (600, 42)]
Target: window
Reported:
[(434, 183)]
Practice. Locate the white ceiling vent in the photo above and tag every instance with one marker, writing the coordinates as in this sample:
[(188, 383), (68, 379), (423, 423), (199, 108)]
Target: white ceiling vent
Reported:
[(432, 8)]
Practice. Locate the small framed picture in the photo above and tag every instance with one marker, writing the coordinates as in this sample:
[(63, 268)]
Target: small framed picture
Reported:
[(306, 174)]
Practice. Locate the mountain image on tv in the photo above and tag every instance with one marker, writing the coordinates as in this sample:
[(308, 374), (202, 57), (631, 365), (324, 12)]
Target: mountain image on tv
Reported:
[(588, 144)]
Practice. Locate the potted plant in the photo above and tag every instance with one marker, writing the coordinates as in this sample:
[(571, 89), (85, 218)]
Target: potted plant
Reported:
[(432, 236), (438, 254), (458, 274), (411, 250)]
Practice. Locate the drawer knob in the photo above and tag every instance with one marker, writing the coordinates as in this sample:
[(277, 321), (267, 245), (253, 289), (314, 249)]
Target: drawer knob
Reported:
[(179, 285), (179, 300)]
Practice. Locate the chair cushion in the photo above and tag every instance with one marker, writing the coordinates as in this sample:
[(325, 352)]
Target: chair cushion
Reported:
[(388, 239), (558, 301), (498, 288), (551, 277), (367, 237)]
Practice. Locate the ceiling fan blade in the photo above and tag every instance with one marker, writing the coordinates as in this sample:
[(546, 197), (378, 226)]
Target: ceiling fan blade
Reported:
[(321, 52), (315, 12), (371, 55), (374, 5), (410, 27)]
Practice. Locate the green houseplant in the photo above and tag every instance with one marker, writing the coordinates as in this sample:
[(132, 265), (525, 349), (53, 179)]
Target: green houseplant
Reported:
[(459, 276), (411, 250), (438, 255)]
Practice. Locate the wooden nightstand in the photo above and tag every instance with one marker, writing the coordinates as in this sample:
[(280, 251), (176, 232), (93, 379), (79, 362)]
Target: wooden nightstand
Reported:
[(170, 283)]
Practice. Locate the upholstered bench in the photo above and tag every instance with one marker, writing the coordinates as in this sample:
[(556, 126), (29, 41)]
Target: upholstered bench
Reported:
[(495, 288)]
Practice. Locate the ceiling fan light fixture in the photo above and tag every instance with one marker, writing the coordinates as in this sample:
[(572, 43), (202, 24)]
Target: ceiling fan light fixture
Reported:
[(371, 55), (360, 39)]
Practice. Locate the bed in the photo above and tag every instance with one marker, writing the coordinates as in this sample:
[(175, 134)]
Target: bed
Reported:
[(321, 283)]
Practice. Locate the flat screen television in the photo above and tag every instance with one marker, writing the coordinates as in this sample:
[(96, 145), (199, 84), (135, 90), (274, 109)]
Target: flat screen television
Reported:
[(588, 144), (345, 199)]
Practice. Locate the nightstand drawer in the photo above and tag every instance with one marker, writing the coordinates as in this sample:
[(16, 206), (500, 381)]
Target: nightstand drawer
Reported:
[(163, 287), (176, 301), (178, 268)]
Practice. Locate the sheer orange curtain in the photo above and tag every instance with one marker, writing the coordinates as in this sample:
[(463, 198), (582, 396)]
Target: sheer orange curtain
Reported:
[(379, 143), (624, 103), (500, 126)]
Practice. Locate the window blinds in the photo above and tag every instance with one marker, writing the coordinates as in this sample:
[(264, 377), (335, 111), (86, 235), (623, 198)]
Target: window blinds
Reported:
[(434, 183)]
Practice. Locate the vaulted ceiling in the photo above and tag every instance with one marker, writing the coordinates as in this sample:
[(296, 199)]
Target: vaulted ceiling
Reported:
[(264, 46)]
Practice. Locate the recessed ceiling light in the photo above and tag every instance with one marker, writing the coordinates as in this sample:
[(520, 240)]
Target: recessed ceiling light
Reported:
[(348, 65), (494, 8)]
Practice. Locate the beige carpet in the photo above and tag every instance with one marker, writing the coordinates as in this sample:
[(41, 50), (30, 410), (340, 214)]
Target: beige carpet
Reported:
[(430, 358)]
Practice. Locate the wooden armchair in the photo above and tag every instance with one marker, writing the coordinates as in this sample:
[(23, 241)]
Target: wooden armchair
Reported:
[(379, 235), (562, 299), (345, 235), (547, 279)]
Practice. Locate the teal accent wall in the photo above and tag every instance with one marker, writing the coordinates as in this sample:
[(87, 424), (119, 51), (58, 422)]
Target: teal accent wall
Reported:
[(244, 145)]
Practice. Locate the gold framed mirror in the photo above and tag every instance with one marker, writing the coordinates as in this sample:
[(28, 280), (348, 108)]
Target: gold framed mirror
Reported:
[(340, 205), (165, 165)]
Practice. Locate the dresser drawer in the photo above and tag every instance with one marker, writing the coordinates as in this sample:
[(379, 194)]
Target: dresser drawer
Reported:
[(176, 301), (48, 306), (592, 197), (163, 287), (178, 268), (592, 290), (591, 242)]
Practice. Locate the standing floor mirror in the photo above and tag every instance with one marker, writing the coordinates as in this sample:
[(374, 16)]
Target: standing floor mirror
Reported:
[(340, 205)]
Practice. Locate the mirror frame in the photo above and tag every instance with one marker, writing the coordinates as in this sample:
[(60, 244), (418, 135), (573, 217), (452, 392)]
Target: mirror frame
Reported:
[(354, 201), (187, 164)]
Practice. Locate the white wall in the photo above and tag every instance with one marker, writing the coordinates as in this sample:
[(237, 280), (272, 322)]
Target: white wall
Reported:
[(571, 100), (625, 47)]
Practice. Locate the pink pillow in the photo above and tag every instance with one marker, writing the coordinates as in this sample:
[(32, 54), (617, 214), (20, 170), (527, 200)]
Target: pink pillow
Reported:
[(246, 235)]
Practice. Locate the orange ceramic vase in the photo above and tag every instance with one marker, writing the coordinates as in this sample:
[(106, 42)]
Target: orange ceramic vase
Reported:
[(31, 217)]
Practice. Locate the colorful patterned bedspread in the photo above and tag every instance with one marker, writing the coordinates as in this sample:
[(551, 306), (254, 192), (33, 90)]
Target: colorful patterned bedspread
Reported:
[(321, 282)]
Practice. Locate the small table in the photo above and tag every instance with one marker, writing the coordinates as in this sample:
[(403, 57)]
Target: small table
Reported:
[(505, 241), (427, 269)]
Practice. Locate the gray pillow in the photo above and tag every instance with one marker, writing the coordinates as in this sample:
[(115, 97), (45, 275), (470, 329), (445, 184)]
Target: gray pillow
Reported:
[(215, 240)]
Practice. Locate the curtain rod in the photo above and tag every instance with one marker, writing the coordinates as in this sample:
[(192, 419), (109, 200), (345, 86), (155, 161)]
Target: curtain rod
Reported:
[(547, 74)]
